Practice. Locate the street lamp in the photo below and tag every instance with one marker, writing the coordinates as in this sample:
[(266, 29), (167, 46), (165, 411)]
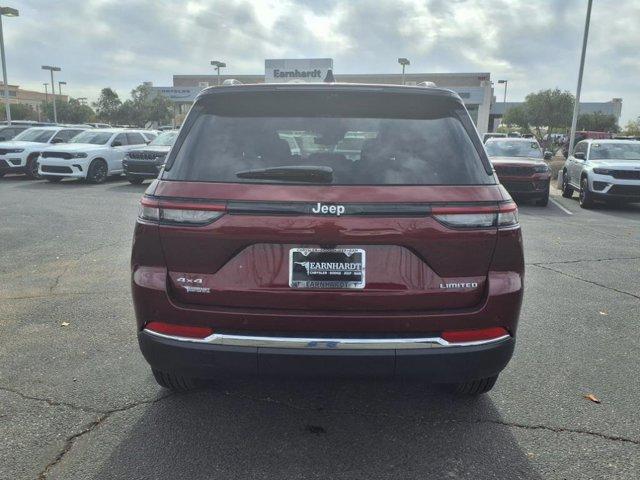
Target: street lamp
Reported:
[(7, 12), (53, 90), (576, 106), (504, 99), (218, 65), (404, 62), (46, 93), (60, 87)]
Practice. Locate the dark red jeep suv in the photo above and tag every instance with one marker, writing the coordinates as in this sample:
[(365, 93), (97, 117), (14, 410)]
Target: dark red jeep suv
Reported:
[(327, 229)]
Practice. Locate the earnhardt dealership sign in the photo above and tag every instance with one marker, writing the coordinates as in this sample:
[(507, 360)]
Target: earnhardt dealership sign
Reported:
[(287, 70)]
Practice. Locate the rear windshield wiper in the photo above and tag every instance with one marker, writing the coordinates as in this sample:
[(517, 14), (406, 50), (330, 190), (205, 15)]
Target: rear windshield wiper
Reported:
[(294, 173)]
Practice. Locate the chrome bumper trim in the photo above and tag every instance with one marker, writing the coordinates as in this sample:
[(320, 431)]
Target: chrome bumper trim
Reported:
[(326, 343)]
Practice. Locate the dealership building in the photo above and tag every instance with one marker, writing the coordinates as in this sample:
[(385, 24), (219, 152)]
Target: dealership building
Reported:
[(31, 98), (475, 88)]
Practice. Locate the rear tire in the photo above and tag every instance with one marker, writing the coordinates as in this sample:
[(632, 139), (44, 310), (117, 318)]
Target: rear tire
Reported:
[(98, 171), (53, 179), (135, 180), (567, 191), (586, 197), (32, 167), (474, 387), (176, 382)]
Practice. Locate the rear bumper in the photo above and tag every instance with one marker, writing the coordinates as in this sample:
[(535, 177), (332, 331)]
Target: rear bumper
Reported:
[(445, 364)]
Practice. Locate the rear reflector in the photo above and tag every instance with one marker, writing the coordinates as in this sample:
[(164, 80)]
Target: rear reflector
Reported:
[(476, 335), (179, 213), (179, 330)]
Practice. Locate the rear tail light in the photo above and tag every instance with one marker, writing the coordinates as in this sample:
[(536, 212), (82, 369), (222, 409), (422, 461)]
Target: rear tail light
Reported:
[(179, 213), (187, 331), (478, 216), (475, 335), (508, 215)]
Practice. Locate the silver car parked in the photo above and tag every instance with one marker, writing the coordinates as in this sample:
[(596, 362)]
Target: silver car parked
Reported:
[(607, 170)]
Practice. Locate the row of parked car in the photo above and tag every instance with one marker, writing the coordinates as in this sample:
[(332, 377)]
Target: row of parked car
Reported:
[(83, 152), (605, 170)]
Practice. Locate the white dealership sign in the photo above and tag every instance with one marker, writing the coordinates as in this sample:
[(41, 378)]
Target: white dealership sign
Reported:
[(178, 94), (304, 69)]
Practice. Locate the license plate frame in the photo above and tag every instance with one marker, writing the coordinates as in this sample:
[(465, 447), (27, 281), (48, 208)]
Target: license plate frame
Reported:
[(346, 268)]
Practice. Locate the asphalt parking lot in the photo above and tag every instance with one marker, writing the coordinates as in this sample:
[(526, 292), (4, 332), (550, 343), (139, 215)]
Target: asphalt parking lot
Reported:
[(77, 401)]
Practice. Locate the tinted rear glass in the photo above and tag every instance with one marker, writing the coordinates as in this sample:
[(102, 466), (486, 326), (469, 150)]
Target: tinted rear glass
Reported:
[(369, 139)]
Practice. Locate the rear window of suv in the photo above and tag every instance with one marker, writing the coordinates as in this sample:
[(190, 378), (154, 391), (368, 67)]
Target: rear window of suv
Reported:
[(329, 138)]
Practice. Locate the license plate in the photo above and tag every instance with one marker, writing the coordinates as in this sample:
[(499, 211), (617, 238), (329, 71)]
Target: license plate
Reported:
[(318, 268)]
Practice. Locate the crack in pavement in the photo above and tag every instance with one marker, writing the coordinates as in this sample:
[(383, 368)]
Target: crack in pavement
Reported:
[(614, 438), (104, 415), (70, 441), (292, 406), (60, 294), (538, 264), (585, 281), (53, 403)]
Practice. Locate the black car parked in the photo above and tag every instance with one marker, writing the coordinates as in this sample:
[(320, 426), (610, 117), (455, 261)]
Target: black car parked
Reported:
[(147, 161)]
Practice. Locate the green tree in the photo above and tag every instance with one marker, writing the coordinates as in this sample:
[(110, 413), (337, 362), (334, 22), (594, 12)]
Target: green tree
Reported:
[(552, 109), (70, 112), (19, 111), (149, 107), (632, 128), (517, 116), (126, 114), (108, 105), (598, 122)]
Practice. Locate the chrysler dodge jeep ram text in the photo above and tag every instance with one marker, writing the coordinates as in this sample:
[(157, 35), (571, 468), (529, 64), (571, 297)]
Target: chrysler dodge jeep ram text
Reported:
[(254, 257)]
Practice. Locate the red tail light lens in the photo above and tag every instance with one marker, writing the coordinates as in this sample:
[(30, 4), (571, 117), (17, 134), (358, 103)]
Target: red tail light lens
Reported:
[(188, 331), (475, 335), (179, 213)]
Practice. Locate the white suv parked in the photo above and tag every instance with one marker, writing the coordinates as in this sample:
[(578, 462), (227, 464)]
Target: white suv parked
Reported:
[(606, 170), (93, 155), (20, 155)]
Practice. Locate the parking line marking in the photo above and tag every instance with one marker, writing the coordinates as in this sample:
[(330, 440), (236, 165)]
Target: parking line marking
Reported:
[(557, 204)]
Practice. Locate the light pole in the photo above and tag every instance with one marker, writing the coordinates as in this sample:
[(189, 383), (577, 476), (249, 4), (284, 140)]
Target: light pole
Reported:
[(218, 65), (7, 12), (46, 93), (576, 107), (504, 99), (60, 87), (53, 90), (404, 62)]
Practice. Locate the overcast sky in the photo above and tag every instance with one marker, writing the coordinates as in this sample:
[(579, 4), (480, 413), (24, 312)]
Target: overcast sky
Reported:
[(535, 44)]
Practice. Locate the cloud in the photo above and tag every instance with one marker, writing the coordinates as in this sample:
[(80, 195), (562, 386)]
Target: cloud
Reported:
[(535, 45)]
